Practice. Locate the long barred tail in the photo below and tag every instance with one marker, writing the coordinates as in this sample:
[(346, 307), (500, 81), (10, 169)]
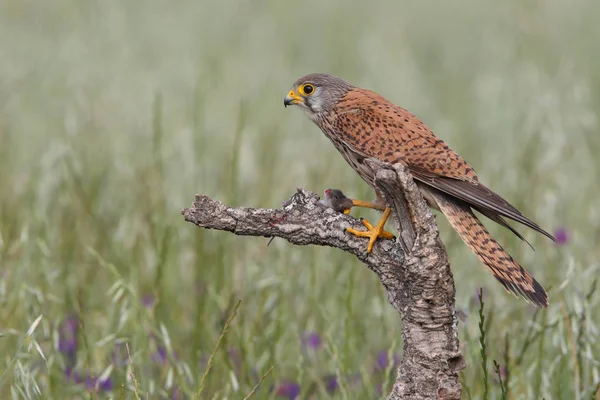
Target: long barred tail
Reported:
[(511, 275)]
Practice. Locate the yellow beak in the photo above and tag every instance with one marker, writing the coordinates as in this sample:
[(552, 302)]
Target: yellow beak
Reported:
[(292, 98)]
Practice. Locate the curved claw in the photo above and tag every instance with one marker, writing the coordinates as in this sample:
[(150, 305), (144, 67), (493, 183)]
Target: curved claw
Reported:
[(383, 234), (373, 232)]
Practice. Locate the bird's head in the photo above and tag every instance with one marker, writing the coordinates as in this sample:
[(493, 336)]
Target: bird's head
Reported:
[(316, 93)]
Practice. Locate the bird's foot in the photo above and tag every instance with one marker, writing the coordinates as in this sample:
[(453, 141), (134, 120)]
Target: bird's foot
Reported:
[(373, 232)]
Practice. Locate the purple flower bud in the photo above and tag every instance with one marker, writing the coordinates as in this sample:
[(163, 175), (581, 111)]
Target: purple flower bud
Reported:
[(383, 360), (331, 383), (160, 355), (70, 326), (105, 385), (72, 375), (94, 384), (562, 236), (288, 389), (67, 340), (148, 300), (67, 346), (90, 382), (312, 340), (77, 378)]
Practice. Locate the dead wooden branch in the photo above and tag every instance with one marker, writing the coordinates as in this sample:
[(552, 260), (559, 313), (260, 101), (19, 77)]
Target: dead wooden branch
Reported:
[(414, 272)]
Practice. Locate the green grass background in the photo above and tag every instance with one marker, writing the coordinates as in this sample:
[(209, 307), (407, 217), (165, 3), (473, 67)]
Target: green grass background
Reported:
[(113, 114)]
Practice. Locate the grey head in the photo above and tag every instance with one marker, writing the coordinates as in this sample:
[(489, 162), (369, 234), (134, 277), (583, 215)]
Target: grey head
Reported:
[(336, 200), (317, 93)]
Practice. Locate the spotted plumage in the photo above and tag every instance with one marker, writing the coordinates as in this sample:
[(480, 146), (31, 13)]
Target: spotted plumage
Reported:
[(362, 124)]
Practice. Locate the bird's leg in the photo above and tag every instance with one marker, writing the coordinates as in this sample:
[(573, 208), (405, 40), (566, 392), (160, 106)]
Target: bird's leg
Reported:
[(337, 200), (379, 205), (375, 205), (373, 232)]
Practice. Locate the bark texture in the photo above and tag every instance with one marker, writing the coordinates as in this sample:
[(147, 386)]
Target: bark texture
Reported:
[(414, 270)]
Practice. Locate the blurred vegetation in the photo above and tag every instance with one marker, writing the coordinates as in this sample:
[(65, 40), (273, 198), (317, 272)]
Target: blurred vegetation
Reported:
[(114, 114)]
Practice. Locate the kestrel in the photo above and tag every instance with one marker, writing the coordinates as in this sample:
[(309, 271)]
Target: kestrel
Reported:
[(362, 124)]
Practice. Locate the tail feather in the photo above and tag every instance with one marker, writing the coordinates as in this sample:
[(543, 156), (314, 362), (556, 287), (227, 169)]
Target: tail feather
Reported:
[(497, 218), (507, 271)]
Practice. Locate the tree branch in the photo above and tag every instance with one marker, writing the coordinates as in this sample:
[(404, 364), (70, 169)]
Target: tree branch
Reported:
[(414, 272)]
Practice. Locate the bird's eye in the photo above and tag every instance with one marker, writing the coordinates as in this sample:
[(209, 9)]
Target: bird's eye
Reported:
[(307, 89)]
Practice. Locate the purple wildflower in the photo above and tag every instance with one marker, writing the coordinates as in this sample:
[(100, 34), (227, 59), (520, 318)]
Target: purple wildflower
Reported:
[(288, 389), (331, 383), (562, 236), (91, 383), (148, 300), (312, 340), (94, 384), (383, 360), (160, 355), (176, 394), (67, 340), (73, 376), (105, 385)]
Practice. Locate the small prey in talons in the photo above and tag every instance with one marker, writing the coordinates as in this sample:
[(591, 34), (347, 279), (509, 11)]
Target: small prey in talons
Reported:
[(335, 199)]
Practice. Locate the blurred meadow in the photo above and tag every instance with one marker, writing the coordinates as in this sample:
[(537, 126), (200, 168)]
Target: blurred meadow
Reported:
[(114, 114)]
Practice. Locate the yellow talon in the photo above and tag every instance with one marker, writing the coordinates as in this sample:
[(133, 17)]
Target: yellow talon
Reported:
[(373, 232), (384, 234)]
